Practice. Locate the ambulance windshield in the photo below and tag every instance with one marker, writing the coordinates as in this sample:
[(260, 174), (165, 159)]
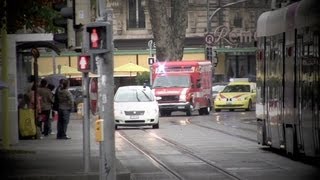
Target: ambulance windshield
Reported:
[(182, 81)]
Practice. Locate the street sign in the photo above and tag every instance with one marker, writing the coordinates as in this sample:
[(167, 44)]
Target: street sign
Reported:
[(209, 39), (150, 60)]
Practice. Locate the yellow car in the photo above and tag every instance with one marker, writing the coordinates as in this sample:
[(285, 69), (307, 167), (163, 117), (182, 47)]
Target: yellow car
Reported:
[(236, 95)]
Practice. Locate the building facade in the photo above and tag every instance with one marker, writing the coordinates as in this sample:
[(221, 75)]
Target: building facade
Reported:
[(233, 26)]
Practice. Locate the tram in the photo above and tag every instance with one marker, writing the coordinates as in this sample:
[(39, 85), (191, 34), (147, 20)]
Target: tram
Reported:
[(288, 78)]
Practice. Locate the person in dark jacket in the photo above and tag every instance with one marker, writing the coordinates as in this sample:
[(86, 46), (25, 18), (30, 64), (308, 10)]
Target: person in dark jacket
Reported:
[(65, 106)]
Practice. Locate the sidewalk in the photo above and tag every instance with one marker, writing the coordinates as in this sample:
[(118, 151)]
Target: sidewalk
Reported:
[(53, 159)]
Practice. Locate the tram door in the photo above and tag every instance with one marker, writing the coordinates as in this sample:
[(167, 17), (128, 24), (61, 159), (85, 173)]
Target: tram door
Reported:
[(275, 91), (309, 87)]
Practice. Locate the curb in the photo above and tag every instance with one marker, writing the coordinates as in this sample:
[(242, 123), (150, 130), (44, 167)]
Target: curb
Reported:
[(122, 173)]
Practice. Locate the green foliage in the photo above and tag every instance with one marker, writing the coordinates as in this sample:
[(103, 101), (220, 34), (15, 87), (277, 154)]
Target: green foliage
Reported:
[(30, 14), (142, 78)]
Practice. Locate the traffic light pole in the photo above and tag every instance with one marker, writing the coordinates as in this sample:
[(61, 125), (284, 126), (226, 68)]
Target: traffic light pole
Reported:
[(106, 93), (86, 123)]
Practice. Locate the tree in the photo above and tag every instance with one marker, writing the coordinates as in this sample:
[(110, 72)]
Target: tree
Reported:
[(169, 22), (30, 14)]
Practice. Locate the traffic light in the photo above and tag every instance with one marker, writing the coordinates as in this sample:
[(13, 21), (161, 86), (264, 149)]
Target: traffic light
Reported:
[(61, 21), (66, 11), (84, 63), (98, 37)]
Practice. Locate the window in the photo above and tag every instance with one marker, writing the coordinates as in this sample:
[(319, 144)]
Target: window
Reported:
[(237, 21), (136, 17)]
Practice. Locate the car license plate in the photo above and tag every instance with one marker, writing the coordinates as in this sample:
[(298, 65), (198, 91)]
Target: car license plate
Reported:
[(180, 107), (229, 102), (134, 117)]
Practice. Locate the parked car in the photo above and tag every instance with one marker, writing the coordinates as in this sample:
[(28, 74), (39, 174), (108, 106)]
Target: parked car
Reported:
[(136, 106), (239, 94)]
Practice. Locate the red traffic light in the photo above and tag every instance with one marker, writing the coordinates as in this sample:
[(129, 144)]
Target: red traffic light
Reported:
[(94, 38), (84, 63)]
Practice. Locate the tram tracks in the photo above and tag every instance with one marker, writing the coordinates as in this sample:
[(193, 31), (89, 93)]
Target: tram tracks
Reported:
[(225, 132), (195, 123), (167, 167)]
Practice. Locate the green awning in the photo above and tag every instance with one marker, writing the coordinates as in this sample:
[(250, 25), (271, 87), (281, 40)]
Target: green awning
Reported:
[(237, 50)]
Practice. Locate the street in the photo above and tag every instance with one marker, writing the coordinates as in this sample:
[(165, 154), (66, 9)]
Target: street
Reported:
[(219, 146), (216, 146)]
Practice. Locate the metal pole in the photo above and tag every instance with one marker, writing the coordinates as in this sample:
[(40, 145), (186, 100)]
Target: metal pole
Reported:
[(35, 53), (150, 45), (101, 161), (106, 94), (54, 62), (86, 123)]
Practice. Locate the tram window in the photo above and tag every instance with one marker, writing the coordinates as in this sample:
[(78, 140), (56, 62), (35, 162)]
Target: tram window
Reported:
[(316, 44), (299, 45), (305, 49)]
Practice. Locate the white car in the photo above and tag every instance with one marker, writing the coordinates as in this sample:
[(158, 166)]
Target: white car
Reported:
[(136, 106)]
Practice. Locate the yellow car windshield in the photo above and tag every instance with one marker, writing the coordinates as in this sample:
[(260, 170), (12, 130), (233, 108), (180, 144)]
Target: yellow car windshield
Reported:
[(236, 88)]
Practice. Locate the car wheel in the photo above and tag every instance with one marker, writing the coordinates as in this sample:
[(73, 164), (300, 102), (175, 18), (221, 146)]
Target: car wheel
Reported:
[(207, 110), (155, 126), (249, 106), (115, 127)]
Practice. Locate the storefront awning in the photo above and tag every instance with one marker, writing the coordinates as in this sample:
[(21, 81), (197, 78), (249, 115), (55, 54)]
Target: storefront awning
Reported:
[(237, 51)]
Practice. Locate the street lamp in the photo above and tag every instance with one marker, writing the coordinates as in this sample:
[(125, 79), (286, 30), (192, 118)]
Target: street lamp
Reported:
[(217, 10)]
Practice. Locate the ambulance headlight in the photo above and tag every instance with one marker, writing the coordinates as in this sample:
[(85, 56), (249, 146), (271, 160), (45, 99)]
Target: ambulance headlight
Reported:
[(183, 97)]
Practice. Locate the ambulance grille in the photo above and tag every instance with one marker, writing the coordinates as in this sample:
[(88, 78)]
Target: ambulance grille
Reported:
[(169, 98)]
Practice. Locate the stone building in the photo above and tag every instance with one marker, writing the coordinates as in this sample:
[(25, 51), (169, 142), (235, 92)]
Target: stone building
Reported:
[(233, 27)]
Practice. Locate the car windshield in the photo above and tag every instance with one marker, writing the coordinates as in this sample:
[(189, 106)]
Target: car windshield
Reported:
[(133, 95), (218, 88), (236, 88), (172, 81)]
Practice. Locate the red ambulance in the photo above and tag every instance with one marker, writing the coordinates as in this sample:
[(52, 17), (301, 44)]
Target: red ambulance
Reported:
[(183, 86)]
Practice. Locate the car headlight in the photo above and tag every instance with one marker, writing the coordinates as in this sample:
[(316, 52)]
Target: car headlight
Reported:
[(118, 113), (152, 111), (183, 97)]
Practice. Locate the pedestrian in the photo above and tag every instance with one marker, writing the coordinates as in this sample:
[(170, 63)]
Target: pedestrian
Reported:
[(65, 105), (46, 106)]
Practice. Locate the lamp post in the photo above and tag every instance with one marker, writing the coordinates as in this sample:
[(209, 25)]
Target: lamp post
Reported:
[(217, 10)]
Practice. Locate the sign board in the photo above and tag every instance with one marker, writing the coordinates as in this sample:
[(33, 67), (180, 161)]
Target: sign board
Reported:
[(209, 39)]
